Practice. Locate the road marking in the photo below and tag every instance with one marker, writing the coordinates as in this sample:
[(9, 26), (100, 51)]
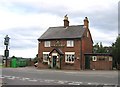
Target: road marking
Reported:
[(8, 76), (22, 79), (2, 77), (60, 82), (12, 78), (41, 81), (89, 83), (78, 82), (17, 77), (26, 78), (73, 83), (33, 80), (47, 81)]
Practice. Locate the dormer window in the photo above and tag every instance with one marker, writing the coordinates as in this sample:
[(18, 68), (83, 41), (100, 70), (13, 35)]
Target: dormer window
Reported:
[(70, 43), (47, 43)]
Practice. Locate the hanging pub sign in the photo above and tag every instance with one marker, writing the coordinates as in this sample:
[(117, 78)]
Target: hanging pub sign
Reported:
[(6, 41)]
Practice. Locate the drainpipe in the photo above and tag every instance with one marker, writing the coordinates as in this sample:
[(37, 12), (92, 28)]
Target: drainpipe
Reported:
[(81, 55)]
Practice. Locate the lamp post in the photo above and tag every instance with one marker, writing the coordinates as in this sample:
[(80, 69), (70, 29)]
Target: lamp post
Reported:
[(6, 42)]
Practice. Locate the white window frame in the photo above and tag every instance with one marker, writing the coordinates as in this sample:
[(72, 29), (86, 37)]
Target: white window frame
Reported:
[(70, 43), (45, 57), (47, 44), (94, 58), (69, 56), (110, 58)]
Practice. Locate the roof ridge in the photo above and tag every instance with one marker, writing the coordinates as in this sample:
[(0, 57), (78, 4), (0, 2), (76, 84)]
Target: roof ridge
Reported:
[(63, 26)]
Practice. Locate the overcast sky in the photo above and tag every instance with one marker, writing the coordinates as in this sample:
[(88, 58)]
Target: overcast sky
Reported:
[(26, 20)]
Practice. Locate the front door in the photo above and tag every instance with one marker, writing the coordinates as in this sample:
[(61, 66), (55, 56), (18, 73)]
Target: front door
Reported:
[(54, 61), (87, 62)]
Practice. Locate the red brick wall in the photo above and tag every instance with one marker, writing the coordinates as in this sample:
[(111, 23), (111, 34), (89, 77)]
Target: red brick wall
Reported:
[(77, 49), (101, 64), (87, 46)]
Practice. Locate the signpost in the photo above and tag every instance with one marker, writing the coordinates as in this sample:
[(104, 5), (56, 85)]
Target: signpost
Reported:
[(6, 52)]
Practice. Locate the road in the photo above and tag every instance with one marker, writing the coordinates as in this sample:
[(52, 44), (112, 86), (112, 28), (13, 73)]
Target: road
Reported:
[(33, 76)]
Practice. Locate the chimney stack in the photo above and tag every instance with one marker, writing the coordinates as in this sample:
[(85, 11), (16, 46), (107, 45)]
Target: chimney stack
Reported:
[(66, 21), (86, 22)]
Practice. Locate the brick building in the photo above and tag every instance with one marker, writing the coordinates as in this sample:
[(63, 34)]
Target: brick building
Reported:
[(98, 61), (64, 47)]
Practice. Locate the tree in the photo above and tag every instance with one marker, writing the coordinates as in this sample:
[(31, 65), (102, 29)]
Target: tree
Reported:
[(98, 48), (36, 59), (116, 52), (36, 56)]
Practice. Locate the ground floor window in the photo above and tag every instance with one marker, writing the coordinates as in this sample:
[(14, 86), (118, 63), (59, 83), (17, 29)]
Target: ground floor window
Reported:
[(45, 55), (69, 57), (94, 58)]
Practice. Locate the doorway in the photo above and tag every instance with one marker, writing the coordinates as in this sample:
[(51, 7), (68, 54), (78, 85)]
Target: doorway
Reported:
[(87, 62), (54, 61)]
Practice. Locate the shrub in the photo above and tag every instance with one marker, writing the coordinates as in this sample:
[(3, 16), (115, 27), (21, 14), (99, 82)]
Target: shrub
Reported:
[(44, 62), (100, 58), (40, 61), (49, 66), (48, 58), (61, 58), (71, 64), (56, 67), (103, 59), (75, 58), (90, 58)]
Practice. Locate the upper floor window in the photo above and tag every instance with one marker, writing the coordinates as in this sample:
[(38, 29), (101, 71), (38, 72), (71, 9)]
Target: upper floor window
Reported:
[(70, 43), (47, 43)]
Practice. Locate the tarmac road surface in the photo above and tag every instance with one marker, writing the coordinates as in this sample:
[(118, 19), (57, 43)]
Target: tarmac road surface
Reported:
[(33, 76)]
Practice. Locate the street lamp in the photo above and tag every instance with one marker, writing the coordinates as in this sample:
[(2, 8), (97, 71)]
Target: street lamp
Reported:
[(6, 42)]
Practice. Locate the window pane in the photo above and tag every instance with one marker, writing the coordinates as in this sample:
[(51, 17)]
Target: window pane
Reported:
[(45, 57), (70, 43), (69, 58), (47, 43)]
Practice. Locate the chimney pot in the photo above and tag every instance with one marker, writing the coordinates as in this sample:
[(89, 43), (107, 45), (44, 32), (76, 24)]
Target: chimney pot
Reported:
[(66, 21), (86, 22)]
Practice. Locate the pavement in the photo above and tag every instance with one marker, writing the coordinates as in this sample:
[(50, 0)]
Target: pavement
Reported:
[(33, 76)]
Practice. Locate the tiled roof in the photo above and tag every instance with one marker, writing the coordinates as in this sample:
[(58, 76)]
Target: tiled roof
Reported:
[(63, 33)]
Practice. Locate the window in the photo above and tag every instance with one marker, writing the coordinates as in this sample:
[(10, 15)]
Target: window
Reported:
[(69, 57), (87, 34), (110, 58), (94, 58), (45, 55), (47, 43), (70, 43)]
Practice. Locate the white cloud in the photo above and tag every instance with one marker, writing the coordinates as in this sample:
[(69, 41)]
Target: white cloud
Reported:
[(106, 38), (25, 20), (13, 20)]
